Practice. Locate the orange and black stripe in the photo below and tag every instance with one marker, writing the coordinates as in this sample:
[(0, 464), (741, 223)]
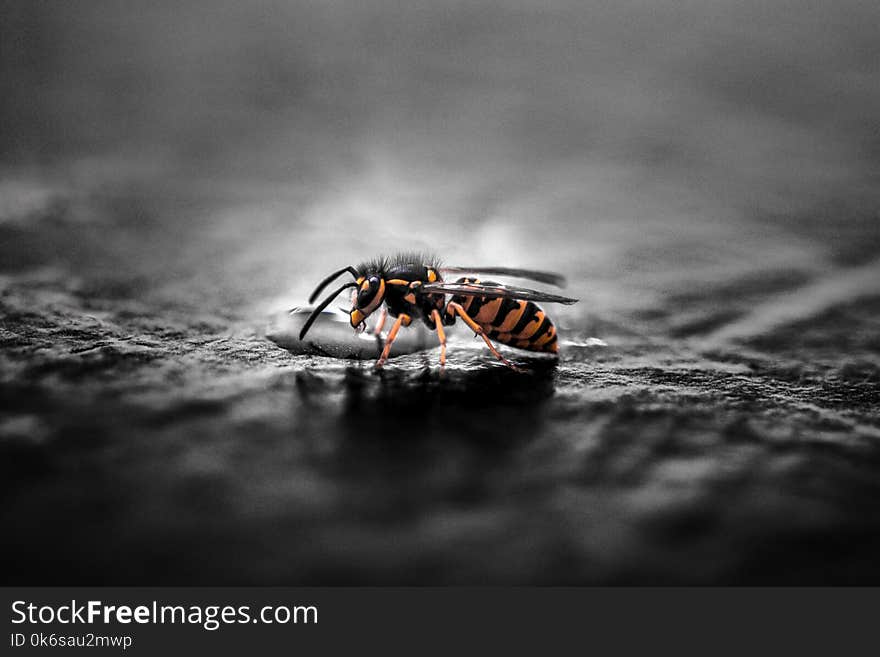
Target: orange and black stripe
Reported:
[(513, 322)]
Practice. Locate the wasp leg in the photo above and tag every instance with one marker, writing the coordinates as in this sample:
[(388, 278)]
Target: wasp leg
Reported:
[(377, 329), (441, 334), (402, 320), (476, 328)]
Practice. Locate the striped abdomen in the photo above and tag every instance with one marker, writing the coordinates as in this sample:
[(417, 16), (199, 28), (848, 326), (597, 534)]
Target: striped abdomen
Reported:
[(516, 323)]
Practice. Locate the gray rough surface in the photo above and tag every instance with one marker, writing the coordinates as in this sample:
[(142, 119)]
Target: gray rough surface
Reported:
[(149, 443), (705, 175)]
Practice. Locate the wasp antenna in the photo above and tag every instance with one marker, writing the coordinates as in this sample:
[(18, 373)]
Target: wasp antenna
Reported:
[(326, 302), (327, 281)]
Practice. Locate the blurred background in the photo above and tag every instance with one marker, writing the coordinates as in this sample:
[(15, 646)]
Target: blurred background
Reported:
[(705, 174), (288, 138)]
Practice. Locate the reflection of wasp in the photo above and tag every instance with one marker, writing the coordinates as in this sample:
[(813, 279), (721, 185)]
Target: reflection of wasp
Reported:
[(411, 288)]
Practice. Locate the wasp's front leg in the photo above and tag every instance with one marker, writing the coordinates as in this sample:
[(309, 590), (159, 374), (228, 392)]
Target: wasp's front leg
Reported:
[(380, 324), (402, 320)]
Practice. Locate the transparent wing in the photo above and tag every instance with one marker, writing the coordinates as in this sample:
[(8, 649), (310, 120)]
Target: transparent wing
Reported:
[(548, 277), (493, 291)]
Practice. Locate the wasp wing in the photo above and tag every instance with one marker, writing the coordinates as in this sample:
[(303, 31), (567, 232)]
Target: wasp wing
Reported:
[(548, 277), (493, 291)]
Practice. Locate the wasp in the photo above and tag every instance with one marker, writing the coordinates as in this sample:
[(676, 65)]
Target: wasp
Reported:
[(410, 286)]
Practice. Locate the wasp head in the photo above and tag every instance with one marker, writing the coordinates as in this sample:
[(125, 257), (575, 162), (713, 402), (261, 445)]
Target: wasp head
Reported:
[(371, 293)]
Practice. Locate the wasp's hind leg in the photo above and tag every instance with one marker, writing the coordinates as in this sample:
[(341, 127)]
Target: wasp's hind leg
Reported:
[(476, 328), (402, 320), (441, 335)]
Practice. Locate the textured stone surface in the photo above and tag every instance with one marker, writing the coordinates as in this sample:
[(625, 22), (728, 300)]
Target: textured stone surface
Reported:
[(152, 440)]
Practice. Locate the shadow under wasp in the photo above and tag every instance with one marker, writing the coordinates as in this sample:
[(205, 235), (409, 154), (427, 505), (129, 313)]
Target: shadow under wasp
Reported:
[(409, 286)]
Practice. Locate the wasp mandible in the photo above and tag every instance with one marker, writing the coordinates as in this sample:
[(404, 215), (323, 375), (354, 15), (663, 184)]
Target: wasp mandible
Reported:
[(411, 286)]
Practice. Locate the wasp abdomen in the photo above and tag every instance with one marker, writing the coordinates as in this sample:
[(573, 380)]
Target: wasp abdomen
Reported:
[(516, 323)]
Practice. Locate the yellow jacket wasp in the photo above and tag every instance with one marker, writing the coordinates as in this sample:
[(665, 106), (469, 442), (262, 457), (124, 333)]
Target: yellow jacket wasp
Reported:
[(412, 286)]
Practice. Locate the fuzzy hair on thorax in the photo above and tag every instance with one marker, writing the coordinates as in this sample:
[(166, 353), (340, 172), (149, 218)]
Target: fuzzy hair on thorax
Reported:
[(383, 264)]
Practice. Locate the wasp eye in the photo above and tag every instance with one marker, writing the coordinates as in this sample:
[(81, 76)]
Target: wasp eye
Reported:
[(367, 291)]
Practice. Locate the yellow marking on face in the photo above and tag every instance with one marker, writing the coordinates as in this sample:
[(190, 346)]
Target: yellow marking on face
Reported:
[(365, 286), (360, 280), (356, 317), (512, 317)]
